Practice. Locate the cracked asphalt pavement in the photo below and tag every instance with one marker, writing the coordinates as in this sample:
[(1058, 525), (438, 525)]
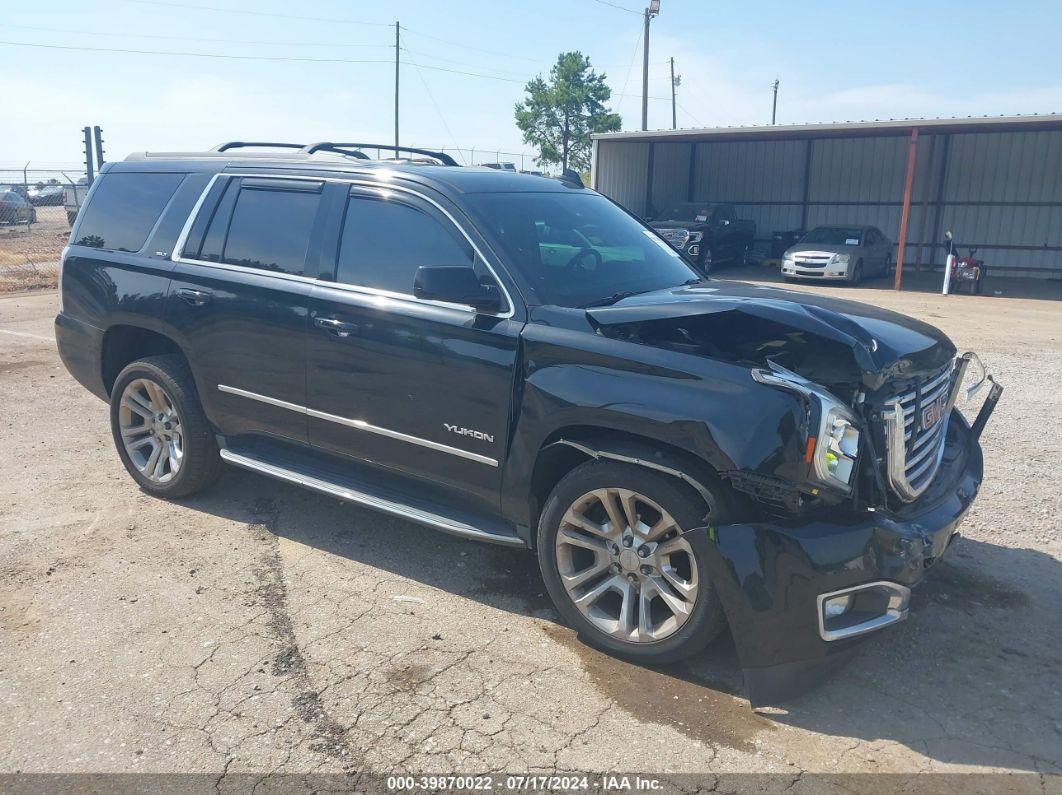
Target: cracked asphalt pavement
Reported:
[(259, 628)]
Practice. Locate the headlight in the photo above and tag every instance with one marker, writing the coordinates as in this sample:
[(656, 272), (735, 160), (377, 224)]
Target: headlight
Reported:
[(788, 263), (839, 259), (837, 449), (834, 451), (695, 237)]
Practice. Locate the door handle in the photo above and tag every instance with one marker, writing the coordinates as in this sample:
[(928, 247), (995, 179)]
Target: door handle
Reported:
[(194, 297), (337, 327)]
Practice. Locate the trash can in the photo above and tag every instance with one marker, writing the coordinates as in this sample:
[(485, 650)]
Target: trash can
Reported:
[(780, 241)]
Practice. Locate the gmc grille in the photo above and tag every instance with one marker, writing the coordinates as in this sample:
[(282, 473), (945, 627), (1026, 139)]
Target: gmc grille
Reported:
[(916, 424), (676, 237)]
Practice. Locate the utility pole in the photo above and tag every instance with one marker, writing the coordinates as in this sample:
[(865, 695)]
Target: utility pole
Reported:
[(675, 83), (651, 11), (774, 104), (97, 134), (88, 154), (397, 29)]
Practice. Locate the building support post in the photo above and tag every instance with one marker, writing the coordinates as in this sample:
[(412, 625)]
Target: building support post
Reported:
[(692, 185), (649, 167), (938, 210), (808, 154), (928, 171), (905, 214)]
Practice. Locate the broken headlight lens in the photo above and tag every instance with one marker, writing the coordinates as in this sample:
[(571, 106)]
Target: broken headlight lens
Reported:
[(837, 449)]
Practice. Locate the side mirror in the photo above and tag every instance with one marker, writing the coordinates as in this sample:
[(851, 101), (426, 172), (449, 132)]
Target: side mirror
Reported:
[(455, 285)]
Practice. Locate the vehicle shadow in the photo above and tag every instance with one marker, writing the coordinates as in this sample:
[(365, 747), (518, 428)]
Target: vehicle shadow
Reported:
[(972, 678)]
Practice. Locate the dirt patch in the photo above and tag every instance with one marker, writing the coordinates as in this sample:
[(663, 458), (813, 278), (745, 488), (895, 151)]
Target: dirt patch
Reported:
[(10, 367), (408, 678), (677, 695), (966, 590)]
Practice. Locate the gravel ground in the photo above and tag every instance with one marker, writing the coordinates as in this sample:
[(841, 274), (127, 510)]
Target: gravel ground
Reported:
[(261, 629)]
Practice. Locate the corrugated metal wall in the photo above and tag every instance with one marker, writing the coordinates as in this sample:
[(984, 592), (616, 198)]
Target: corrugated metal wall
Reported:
[(1000, 190)]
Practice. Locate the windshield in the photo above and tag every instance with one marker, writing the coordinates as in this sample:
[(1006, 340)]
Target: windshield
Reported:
[(834, 236), (687, 211), (577, 249)]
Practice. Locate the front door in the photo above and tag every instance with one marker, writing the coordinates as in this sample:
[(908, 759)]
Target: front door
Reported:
[(240, 300), (418, 386)]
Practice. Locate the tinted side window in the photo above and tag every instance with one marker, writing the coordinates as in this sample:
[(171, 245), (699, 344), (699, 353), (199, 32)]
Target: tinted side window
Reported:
[(124, 209), (385, 241), (269, 229)]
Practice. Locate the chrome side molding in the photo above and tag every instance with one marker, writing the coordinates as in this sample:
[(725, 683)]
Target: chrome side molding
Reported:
[(361, 425), (348, 494)]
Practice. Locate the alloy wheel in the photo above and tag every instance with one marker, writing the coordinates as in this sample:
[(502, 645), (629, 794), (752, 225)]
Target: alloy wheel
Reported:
[(151, 430), (625, 565)]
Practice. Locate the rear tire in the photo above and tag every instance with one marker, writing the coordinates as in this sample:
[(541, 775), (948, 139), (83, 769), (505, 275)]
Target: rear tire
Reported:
[(648, 599), (159, 428)]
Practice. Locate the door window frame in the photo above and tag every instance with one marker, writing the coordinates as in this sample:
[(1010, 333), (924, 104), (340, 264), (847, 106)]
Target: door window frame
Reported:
[(177, 257)]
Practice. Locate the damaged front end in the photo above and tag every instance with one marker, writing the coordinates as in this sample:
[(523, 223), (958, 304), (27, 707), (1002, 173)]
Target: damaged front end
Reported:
[(850, 513)]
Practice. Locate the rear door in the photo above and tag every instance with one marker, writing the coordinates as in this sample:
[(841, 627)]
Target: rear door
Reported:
[(240, 298), (419, 386)]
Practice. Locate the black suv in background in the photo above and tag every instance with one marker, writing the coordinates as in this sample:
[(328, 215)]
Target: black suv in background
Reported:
[(516, 359), (708, 234)]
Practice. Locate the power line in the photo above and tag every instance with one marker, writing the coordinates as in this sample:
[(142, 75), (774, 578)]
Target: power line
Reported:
[(439, 112), (345, 21), (223, 56), (618, 7), (458, 63), (195, 38)]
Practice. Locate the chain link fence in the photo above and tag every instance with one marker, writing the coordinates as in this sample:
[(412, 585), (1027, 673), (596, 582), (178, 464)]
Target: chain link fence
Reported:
[(37, 207)]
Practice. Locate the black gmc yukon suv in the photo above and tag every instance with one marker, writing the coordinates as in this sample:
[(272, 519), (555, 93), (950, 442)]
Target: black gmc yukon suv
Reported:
[(518, 360)]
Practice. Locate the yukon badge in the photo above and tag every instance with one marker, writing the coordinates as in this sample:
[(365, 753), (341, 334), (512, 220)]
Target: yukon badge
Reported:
[(486, 437)]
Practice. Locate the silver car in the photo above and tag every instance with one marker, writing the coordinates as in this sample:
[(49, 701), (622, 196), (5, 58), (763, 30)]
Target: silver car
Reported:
[(842, 253)]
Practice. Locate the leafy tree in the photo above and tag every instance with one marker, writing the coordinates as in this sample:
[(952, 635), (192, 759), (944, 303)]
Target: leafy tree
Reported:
[(558, 116)]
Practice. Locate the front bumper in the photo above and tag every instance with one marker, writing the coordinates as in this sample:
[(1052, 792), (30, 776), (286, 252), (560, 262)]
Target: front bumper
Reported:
[(797, 270), (771, 576)]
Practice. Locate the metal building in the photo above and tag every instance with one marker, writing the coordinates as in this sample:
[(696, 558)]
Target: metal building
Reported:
[(995, 182)]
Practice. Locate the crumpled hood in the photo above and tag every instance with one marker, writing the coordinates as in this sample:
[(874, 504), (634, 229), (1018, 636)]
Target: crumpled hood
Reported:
[(885, 345)]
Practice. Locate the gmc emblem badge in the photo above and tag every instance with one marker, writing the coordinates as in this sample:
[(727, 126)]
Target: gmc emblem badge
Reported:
[(934, 412)]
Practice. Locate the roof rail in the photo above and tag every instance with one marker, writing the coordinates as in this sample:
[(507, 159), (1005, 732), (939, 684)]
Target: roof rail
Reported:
[(245, 144), (341, 148)]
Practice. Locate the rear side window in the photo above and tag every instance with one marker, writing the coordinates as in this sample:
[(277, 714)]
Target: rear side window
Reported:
[(124, 209), (384, 242), (258, 227)]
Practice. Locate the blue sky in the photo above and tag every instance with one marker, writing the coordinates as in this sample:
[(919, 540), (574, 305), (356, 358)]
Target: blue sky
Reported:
[(836, 61)]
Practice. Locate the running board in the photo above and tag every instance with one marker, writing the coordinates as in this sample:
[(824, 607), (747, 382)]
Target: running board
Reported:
[(384, 505)]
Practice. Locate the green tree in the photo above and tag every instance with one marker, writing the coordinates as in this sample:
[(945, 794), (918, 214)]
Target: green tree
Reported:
[(558, 116)]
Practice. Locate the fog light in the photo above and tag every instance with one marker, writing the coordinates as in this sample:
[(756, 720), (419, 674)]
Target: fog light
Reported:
[(836, 606)]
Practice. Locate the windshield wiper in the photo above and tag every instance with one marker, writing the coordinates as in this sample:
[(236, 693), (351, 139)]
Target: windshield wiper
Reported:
[(614, 298)]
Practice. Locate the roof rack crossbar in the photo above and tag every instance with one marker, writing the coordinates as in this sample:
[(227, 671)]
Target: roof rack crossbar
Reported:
[(245, 144), (329, 146)]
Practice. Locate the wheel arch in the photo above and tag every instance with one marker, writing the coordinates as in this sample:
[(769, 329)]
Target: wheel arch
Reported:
[(567, 448), (125, 343)]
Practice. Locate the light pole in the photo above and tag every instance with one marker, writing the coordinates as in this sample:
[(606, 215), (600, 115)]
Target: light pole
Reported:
[(675, 83), (774, 102), (651, 11)]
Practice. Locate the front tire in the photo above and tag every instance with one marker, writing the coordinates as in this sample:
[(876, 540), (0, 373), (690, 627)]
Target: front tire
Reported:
[(856, 276), (159, 428), (622, 569)]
